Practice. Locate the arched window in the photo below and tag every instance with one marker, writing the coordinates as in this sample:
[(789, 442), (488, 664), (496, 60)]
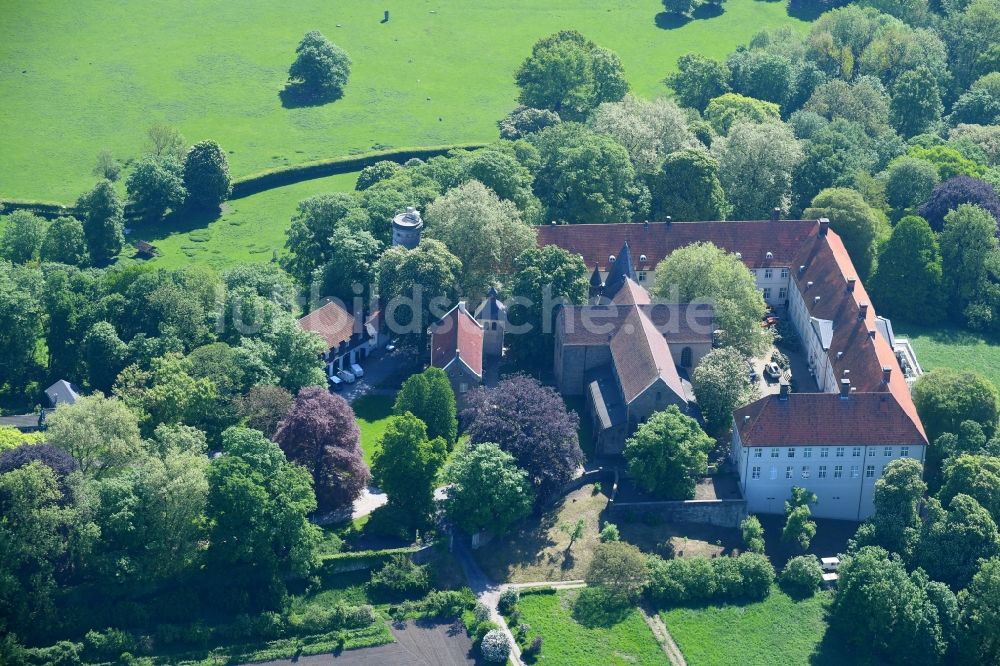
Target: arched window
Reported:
[(686, 357)]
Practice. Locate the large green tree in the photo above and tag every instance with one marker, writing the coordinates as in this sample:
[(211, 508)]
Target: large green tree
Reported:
[(909, 182), (898, 495), (156, 185), (321, 67), (542, 277), (206, 175), (22, 237), (487, 490), (687, 187), (668, 453), (698, 80), (21, 317), (953, 540), (310, 236), (65, 242), (703, 271), (967, 242), (977, 477), (946, 397), (569, 74), (725, 110), (756, 163), (483, 231), (406, 465), (647, 130), (916, 102), (102, 434), (104, 354), (857, 224), (980, 616), (428, 396), (907, 283), (722, 384), (350, 272)]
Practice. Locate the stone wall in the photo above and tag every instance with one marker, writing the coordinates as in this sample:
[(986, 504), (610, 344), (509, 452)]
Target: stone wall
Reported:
[(721, 513)]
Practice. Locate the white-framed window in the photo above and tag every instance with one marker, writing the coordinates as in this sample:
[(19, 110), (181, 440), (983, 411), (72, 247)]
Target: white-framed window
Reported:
[(774, 472), (755, 472), (871, 452), (824, 452), (855, 471), (791, 452), (782, 293), (784, 273), (904, 452), (887, 452), (767, 293), (869, 471), (768, 273), (821, 472), (806, 472), (775, 452), (463, 387), (807, 452), (642, 276), (788, 472), (838, 471), (840, 452), (856, 452), (758, 452)]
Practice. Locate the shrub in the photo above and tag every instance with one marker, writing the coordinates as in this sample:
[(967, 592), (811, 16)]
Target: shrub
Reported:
[(802, 576), (481, 613), (697, 579), (495, 647), (535, 648), (400, 578), (508, 599), (610, 533), (522, 631), (484, 628), (757, 574), (447, 603), (109, 644)]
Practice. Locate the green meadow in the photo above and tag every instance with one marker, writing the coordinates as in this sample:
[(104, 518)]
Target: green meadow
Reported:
[(77, 78)]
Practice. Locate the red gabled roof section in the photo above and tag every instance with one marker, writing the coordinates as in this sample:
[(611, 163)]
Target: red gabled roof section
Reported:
[(332, 322), (641, 356), (826, 419), (458, 336), (631, 293), (655, 240)]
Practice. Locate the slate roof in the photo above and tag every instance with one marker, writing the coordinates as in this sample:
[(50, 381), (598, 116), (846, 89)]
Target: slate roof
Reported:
[(61, 393), (457, 336), (332, 322), (753, 240), (862, 419)]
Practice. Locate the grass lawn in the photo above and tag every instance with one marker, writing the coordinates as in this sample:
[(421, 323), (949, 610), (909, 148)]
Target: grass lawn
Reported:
[(565, 642), (372, 412), (952, 347), (536, 549), (778, 630), (439, 71), (249, 230)]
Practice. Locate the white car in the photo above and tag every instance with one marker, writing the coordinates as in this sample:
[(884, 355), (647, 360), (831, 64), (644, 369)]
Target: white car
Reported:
[(356, 370), (346, 377)]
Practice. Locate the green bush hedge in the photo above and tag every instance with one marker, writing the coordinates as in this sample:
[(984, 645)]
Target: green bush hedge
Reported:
[(287, 175), (363, 559), (698, 579)]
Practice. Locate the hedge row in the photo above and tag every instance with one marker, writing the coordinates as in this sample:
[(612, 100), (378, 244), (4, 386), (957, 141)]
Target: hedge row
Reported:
[(296, 173), (276, 177), (362, 559)]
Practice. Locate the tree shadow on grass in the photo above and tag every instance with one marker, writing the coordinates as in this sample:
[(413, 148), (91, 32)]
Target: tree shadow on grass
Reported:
[(806, 10), (596, 607), (708, 10), (181, 221), (296, 95), (670, 21)]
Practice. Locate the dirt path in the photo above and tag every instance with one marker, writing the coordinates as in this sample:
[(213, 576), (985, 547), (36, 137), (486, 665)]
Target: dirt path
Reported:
[(664, 638)]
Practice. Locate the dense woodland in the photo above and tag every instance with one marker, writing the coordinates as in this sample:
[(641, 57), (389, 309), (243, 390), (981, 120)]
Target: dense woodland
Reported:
[(185, 481)]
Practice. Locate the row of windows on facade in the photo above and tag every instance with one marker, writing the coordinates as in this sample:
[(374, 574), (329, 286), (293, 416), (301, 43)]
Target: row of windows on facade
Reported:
[(782, 293), (768, 273), (838, 452), (821, 472)]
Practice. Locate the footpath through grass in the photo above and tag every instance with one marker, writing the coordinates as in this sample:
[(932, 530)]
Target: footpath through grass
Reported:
[(953, 347), (566, 642), (778, 630), (77, 78)]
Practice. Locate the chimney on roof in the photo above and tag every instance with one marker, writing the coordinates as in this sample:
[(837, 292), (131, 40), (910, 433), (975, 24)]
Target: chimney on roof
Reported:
[(802, 268), (871, 333), (809, 284), (815, 300), (775, 214), (850, 285), (784, 390), (886, 374), (863, 312), (845, 389), (746, 419), (824, 226), (645, 224), (668, 221)]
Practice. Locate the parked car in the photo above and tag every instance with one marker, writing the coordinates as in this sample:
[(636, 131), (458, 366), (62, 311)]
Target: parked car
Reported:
[(357, 371), (391, 347), (335, 383), (772, 371), (753, 372), (346, 377)]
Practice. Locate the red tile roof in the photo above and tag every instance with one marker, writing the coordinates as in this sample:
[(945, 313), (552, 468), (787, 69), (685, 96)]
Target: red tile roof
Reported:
[(631, 293), (753, 240), (591, 324), (332, 322), (458, 335), (641, 356), (863, 419)]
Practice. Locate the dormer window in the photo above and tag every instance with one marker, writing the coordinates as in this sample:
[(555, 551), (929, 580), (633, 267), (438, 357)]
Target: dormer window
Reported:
[(769, 255), (642, 258), (611, 258)]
